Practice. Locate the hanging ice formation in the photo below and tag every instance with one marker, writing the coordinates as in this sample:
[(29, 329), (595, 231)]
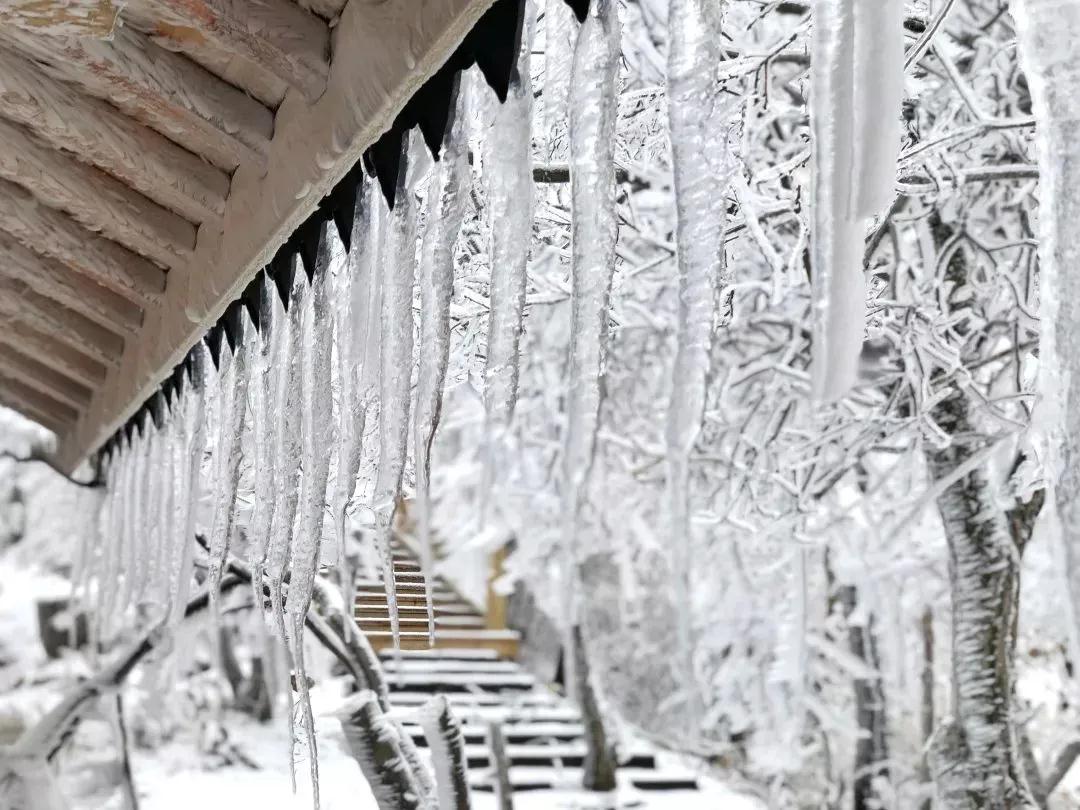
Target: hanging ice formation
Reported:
[(703, 166), (189, 454), (350, 320), (228, 455), (559, 30), (508, 175), (398, 267), (317, 430), (447, 189), (857, 69), (1048, 31), (267, 402), (593, 236)]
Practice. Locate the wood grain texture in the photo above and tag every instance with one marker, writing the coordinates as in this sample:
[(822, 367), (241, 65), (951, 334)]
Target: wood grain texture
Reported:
[(47, 350), (43, 419), (37, 375), (382, 54), (280, 36), (97, 133), (233, 68), (39, 404), (163, 90), (82, 18), (96, 200), (328, 9), (58, 236), (64, 324), (76, 292)]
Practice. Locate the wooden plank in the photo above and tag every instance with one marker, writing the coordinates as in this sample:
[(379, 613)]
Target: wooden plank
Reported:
[(38, 375), (97, 133), (48, 350), (328, 9), (163, 90), (53, 280), (58, 236), (98, 201), (42, 419), (36, 402), (314, 145), (82, 18), (280, 36), (65, 325)]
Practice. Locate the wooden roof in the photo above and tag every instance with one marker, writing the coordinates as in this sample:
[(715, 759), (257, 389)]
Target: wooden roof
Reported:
[(154, 154)]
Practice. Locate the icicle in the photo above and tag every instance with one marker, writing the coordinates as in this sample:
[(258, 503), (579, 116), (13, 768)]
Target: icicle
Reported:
[(190, 455), (857, 82), (317, 428), (107, 591), (508, 174), (230, 452), (1048, 31), (287, 464), (160, 561), (352, 320), (448, 187), (398, 267), (703, 167), (267, 401), (878, 98), (594, 232), (559, 29), (148, 479), (287, 474)]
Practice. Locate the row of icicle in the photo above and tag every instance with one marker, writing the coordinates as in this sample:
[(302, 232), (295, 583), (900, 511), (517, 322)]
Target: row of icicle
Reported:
[(330, 377)]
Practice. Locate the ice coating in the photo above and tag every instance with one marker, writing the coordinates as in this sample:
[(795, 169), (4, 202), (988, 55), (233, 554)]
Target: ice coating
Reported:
[(447, 193)]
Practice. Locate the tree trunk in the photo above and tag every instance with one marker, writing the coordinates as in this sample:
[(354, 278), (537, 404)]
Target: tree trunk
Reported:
[(504, 789), (871, 746), (975, 755), (598, 769)]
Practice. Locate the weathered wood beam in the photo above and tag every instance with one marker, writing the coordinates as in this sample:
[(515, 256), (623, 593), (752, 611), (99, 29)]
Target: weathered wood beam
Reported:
[(47, 380), (314, 146), (64, 324), (56, 281), (289, 42), (57, 235), (81, 18), (34, 415), (329, 9), (36, 403), (98, 201), (163, 90), (97, 133), (45, 348)]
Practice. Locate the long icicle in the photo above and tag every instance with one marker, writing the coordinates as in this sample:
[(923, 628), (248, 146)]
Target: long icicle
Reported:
[(448, 187), (508, 175), (703, 167), (349, 320), (231, 451), (594, 231), (398, 268), (288, 472), (267, 397), (317, 428)]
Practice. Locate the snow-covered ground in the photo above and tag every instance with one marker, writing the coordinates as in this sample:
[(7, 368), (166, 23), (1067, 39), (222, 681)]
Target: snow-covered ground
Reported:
[(170, 778)]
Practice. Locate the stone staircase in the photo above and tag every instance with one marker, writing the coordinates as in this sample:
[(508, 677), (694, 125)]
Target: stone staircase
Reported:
[(543, 732), (458, 624)]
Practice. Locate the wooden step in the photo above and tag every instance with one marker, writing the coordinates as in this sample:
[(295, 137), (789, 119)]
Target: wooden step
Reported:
[(527, 779), (504, 642), (410, 599), (399, 586), (441, 608), (459, 681), (410, 664), (462, 654), (513, 733), (382, 622)]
